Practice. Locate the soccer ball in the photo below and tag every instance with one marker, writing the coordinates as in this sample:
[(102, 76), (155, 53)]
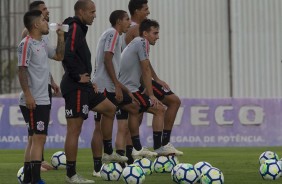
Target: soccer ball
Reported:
[(202, 167), (186, 173), (20, 175), (58, 160), (133, 174), (111, 171), (173, 171), (267, 155), (270, 170), (162, 164), (212, 176), (146, 165), (174, 160)]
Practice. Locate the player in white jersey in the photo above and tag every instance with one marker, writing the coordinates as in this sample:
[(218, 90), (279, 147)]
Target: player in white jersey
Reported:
[(135, 64), (106, 78), (33, 53), (139, 11), (40, 5)]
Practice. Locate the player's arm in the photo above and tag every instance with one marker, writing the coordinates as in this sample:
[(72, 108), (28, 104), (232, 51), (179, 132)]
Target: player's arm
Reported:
[(30, 102), (157, 79), (54, 86), (60, 50)]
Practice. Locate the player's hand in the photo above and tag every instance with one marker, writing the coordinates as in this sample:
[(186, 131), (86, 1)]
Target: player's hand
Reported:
[(155, 102), (163, 84), (55, 87), (95, 87), (84, 78), (60, 32), (119, 95), (30, 102)]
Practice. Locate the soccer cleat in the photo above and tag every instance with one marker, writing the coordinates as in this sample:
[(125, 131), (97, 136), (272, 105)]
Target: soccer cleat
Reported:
[(78, 179), (144, 152), (168, 149), (96, 174), (114, 157)]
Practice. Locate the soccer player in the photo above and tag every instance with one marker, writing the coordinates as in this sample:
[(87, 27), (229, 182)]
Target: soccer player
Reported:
[(105, 77), (40, 5), (33, 53), (139, 11), (79, 93), (134, 64)]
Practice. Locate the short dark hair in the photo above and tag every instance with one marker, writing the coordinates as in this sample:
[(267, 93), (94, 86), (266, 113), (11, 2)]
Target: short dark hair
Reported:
[(81, 4), (136, 5), (146, 25), (29, 18), (117, 15), (35, 4)]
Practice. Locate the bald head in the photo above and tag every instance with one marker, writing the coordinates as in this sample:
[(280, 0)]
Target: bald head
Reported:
[(81, 5)]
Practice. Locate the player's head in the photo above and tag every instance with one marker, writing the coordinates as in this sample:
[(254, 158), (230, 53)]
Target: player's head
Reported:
[(121, 19), (149, 29), (40, 5), (86, 11), (35, 21), (139, 8)]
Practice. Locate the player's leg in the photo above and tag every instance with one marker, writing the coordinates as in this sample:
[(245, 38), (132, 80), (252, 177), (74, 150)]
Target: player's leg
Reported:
[(121, 137), (74, 103), (107, 109), (97, 146)]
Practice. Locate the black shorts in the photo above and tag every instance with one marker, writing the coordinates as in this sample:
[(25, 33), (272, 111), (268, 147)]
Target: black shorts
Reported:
[(37, 119), (50, 94), (79, 102), (144, 101), (120, 113), (158, 90)]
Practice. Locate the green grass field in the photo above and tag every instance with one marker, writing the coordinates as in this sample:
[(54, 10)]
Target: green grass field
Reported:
[(239, 165)]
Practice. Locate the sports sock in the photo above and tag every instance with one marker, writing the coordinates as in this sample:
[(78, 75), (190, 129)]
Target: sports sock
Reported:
[(35, 170), (97, 163), (108, 146), (166, 137), (27, 172), (136, 142), (129, 149), (157, 137), (71, 168)]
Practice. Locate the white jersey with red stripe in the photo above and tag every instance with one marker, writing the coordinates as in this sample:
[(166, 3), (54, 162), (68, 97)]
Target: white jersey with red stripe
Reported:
[(130, 67), (109, 42), (34, 54)]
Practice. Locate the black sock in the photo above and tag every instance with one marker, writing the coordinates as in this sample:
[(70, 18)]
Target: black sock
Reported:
[(136, 142), (97, 163), (166, 137), (122, 153), (157, 137), (35, 171), (71, 168), (129, 149), (27, 172), (108, 146)]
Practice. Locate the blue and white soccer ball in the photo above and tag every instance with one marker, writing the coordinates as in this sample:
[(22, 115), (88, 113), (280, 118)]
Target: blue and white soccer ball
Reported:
[(163, 164), (174, 160), (212, 176), (173, 171), (270, 170), (267, 155), (133, 174), (201, 167), (146, 164), (58, 160), (186, 173), (20, 175), (111, 171)]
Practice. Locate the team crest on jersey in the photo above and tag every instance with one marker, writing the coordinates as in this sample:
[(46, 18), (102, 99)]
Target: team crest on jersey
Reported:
[(85, 109), (40, 125)]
